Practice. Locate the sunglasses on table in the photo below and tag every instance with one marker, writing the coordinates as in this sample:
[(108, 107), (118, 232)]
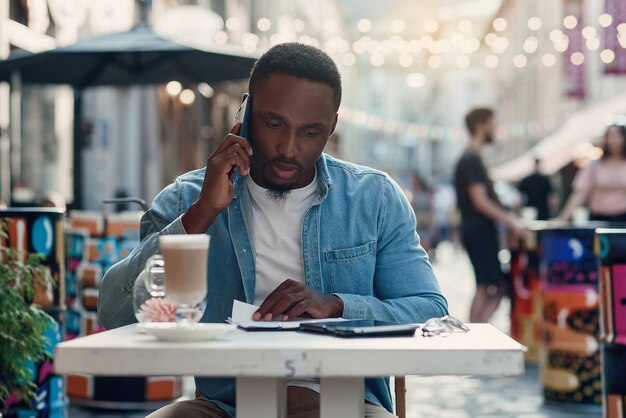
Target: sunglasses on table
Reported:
[(443, 326)]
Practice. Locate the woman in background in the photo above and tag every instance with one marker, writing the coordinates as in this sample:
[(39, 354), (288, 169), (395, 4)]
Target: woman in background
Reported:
[(601, 186)]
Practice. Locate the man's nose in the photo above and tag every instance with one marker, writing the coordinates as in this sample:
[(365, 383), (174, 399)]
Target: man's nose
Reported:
[(288, 145)]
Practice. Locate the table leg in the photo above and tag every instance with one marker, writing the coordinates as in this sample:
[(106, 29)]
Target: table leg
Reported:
[(341, 397), (260, 397), (400, 384)]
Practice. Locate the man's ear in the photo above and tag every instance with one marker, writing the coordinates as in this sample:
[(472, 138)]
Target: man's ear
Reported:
[(334, 125)]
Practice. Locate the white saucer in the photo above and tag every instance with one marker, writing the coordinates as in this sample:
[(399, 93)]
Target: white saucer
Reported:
[(171, 331)]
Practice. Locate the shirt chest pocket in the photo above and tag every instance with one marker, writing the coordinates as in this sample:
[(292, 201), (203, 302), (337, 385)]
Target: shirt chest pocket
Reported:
[(351, 270)]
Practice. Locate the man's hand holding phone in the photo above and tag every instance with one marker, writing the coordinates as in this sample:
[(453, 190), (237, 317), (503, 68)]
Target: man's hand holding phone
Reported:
[(217, 189)]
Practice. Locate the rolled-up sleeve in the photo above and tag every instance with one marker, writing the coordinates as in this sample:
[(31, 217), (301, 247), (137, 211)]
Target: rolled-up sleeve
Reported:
[(115, 299)]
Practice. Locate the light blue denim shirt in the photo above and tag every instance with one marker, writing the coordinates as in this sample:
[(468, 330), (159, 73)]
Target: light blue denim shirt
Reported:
[(358, 242)]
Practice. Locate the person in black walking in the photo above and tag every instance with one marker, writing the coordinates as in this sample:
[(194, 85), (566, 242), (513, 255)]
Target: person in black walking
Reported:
[(480, 210), (538, 192)]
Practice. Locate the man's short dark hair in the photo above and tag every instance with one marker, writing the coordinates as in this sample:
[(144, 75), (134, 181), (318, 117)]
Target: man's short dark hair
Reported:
[(298, 60), (477, 116)]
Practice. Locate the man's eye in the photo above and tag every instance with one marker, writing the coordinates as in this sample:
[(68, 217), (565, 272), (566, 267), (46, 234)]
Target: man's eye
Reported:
[(273, 124), (312, 133)]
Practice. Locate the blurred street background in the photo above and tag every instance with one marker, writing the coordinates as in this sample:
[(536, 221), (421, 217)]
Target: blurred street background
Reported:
[(411, 70), (80, 132)]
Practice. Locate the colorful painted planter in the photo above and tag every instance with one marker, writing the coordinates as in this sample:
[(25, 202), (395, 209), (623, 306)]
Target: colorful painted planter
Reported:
[(569, 348), (611, 251)]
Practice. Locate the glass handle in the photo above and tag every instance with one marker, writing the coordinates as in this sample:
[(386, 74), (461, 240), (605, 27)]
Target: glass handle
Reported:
[(155, 273)]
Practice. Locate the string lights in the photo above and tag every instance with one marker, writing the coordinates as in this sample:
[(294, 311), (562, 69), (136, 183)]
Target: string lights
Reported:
[(429, 52)]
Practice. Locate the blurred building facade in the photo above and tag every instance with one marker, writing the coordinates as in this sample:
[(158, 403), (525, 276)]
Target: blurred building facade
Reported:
[(137, 139), (563, 98), (413, 82), (411, 70), (41, 133), (548, 68)]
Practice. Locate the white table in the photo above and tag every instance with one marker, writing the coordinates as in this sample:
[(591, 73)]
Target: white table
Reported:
[(263, 361)]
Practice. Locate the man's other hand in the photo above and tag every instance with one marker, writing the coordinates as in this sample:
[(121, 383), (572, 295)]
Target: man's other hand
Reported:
[(292, 300)]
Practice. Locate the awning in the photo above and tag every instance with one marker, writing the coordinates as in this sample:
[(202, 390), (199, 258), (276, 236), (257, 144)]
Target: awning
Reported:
[(557, 150)]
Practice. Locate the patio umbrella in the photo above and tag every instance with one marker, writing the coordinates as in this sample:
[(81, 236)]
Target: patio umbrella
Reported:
[(138, 56)]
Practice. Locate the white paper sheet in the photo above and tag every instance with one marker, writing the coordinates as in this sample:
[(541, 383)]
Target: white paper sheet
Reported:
[(242, 316)]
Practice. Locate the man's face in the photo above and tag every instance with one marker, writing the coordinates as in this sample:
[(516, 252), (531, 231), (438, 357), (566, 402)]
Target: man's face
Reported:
[(292, 119), (489, 127)]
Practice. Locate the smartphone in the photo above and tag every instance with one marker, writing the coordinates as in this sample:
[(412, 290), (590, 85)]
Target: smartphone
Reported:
[(360, 328), (244, 115)]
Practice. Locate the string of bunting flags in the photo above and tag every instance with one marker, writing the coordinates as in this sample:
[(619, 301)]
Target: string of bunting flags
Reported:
[(389, 126)]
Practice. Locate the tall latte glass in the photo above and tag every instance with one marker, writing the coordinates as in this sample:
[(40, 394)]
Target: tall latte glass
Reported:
[(185, 264)]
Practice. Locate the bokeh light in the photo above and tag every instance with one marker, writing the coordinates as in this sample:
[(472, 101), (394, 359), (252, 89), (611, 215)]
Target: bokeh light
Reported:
[(491, 61), (549, 60), (577, 58), (570, 22), (607, 56), (173, 88), (520, 61), (534, 23), (264, 24), (364, 25), (499, 24)]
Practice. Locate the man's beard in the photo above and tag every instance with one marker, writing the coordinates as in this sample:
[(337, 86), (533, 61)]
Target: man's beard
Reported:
[(277, 193)]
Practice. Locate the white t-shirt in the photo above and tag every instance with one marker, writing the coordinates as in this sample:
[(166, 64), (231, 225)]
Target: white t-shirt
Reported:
[(277, 235)]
